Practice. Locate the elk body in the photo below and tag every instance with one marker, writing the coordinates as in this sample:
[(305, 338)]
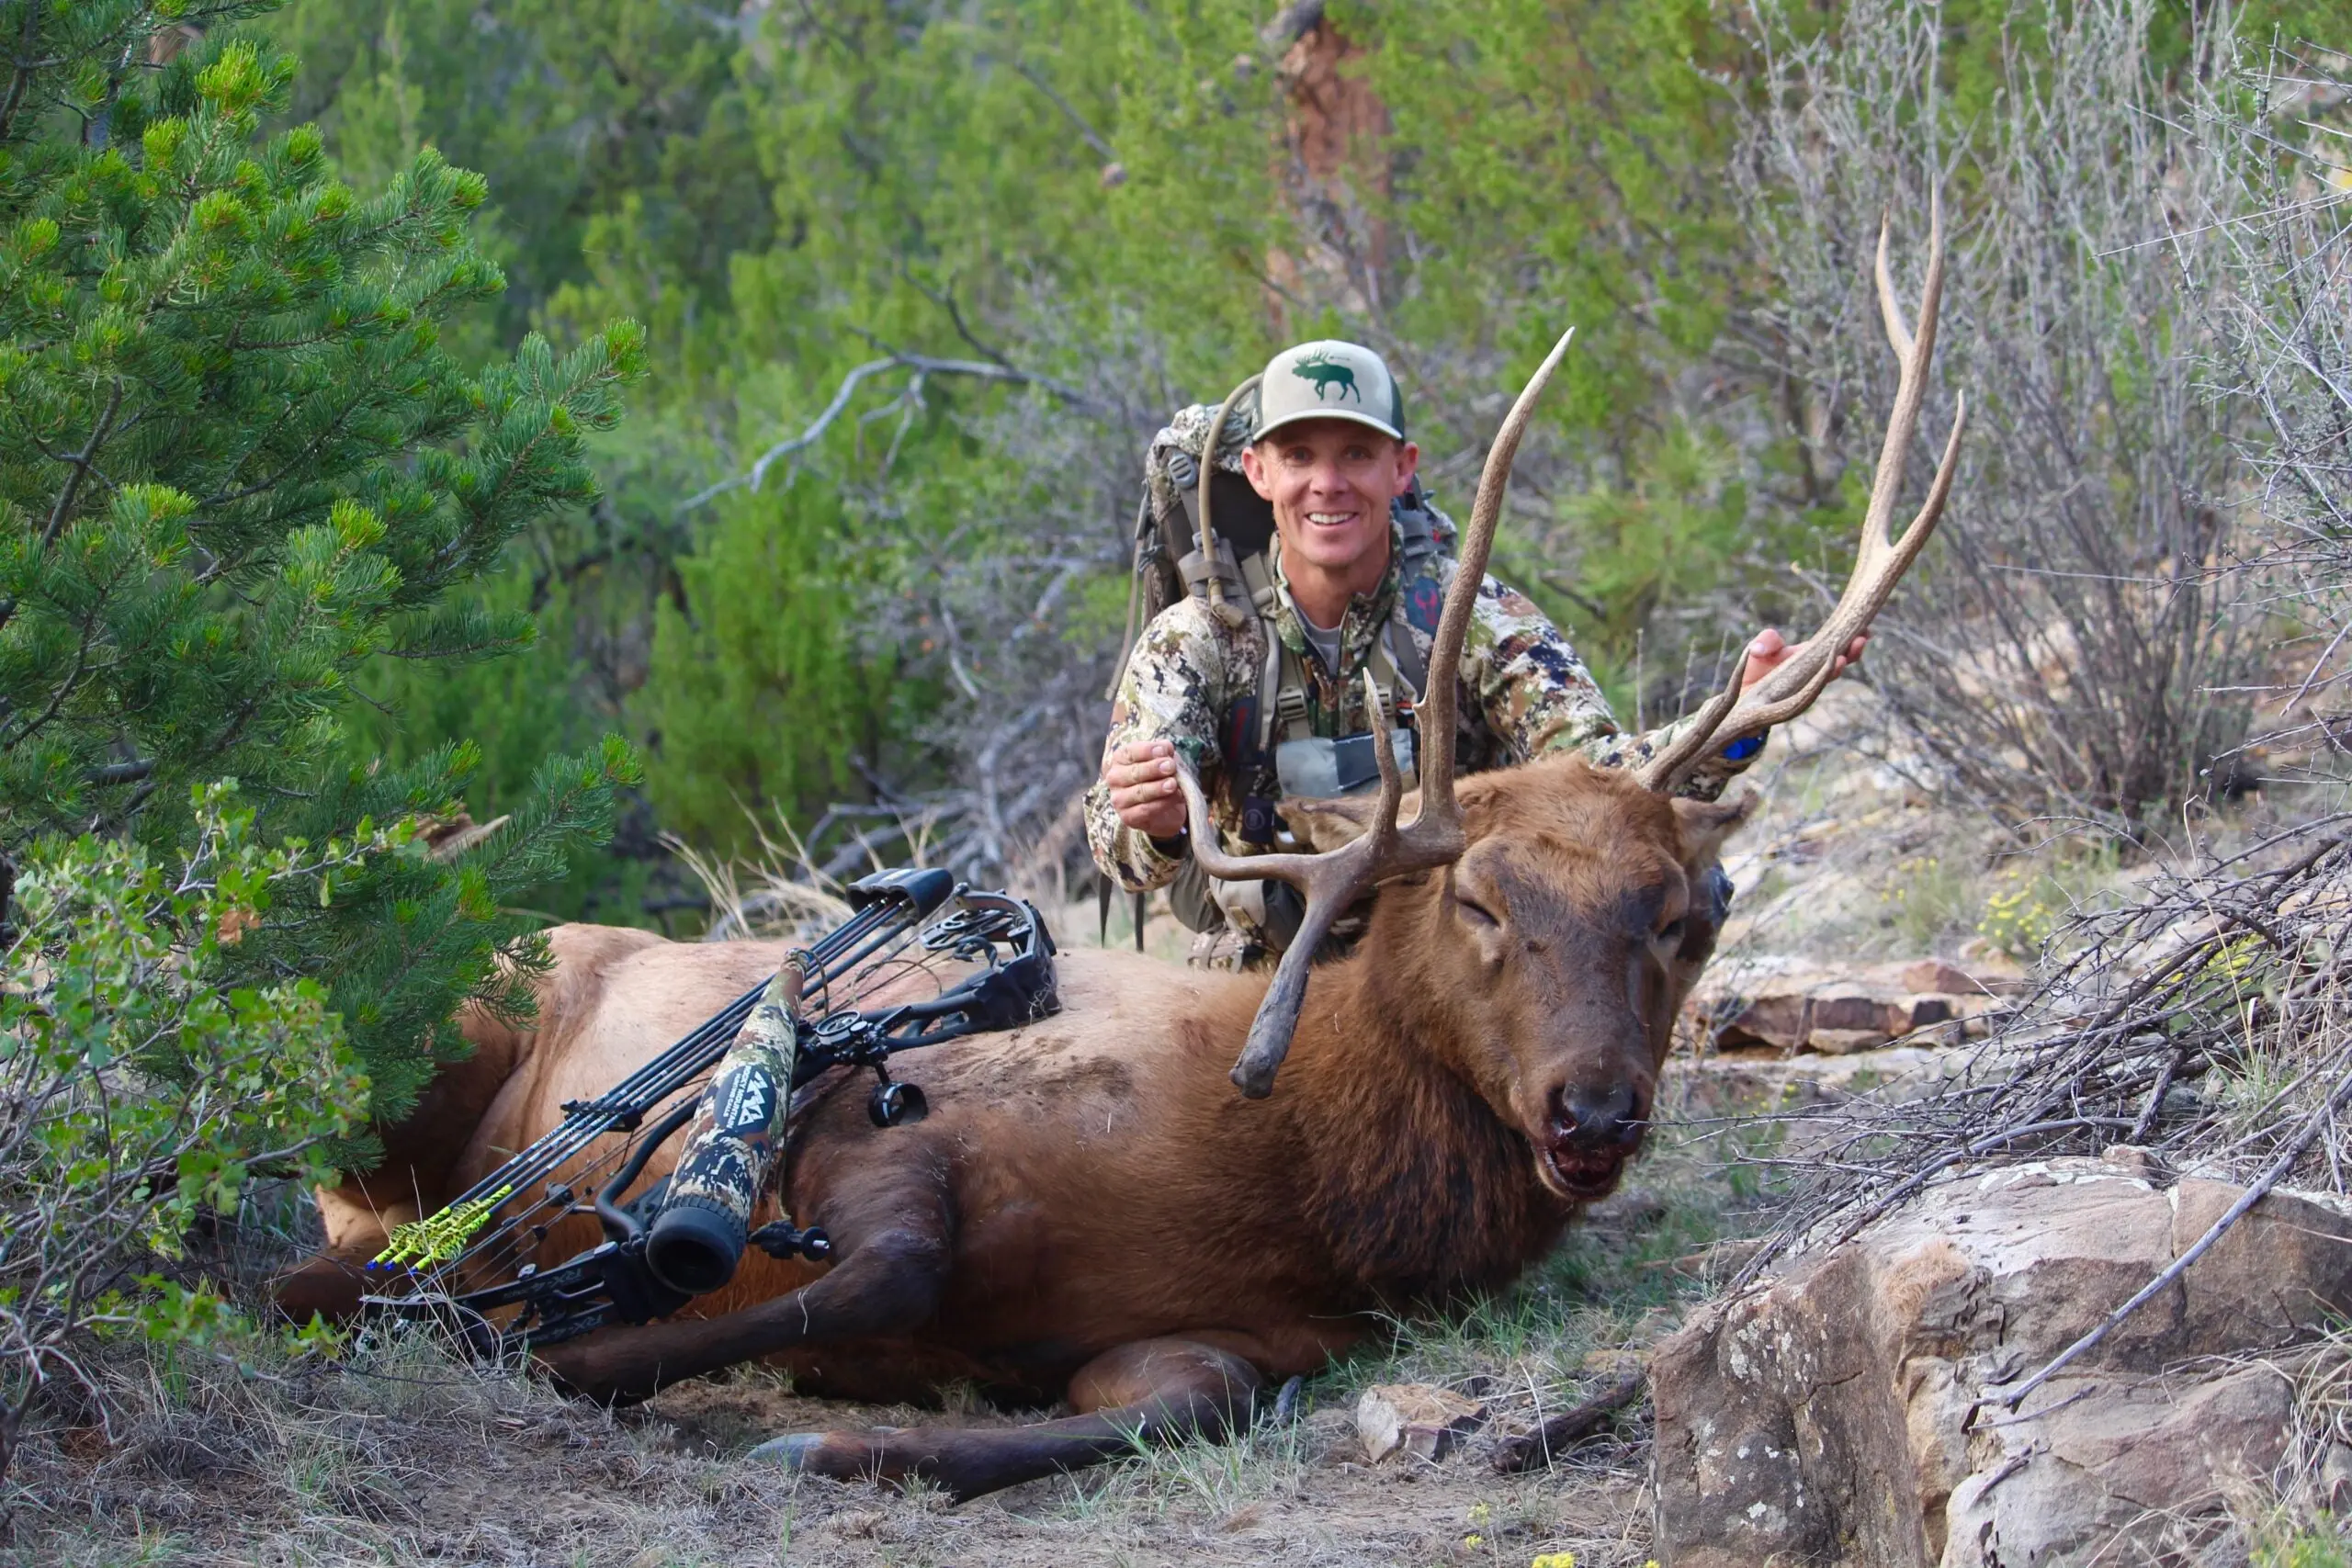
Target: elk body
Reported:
[(1090, 1213)]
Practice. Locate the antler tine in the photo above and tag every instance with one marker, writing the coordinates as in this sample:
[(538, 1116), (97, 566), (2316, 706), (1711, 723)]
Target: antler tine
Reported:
[(1440, 815), (1913, 354), (1333, 880), (1890, 309), (1330, 882), (1879, 561), (1344, 877), (1304, 872)]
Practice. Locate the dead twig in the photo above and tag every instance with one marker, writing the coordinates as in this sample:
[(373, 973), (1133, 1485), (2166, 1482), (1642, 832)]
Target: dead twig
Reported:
[(1559, 1434), (923, 365)]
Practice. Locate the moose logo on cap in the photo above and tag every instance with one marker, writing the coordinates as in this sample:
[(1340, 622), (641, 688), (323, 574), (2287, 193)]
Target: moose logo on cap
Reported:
[(1326, 374)]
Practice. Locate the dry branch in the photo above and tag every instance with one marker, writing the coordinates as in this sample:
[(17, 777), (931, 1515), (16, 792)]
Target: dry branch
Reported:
[(1559, 1434), (921, 365)]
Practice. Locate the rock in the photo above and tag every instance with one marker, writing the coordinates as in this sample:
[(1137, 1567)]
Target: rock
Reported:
[(2076, 1474), (1845, 1042), (2132, 1159), (1995, 975), (1935, 975), (1417, 1418), (2335, 1478), (1841, 1413), (1747, 1083), (1919, 1011), (1792, 1005)]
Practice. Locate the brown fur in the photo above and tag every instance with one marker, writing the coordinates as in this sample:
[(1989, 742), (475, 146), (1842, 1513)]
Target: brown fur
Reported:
[(1093, 1182)]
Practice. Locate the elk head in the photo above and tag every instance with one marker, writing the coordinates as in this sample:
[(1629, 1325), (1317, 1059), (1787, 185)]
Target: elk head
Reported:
[(1584, 977), (1546, 965)]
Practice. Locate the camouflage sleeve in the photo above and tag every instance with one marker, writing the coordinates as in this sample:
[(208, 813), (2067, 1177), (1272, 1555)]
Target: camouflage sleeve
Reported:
[(1176, 687), (1708, 778), (1538, 696)]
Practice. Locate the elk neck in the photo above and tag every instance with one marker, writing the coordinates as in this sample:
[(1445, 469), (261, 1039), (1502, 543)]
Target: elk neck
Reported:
[(1416, 1185)]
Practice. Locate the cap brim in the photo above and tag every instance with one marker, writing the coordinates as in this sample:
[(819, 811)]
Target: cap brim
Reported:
[(1301, 417)]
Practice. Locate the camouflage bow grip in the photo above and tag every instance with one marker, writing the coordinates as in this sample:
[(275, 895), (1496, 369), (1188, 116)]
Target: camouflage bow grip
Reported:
[(888, 904)]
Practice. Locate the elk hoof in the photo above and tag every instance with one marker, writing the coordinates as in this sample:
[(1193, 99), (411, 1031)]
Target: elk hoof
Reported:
[(802, 1452)]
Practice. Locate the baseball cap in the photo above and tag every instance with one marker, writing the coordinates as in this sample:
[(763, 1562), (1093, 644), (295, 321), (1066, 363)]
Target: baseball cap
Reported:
[(1329, 379)]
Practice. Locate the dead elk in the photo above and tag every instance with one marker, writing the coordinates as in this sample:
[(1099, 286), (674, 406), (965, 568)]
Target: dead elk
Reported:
[(1090, 1213)]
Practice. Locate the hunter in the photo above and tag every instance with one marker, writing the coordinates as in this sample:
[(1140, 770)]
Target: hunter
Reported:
[(1270, 701)]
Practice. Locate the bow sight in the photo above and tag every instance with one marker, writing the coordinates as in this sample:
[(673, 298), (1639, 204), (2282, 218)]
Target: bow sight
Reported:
[(471, 1264)]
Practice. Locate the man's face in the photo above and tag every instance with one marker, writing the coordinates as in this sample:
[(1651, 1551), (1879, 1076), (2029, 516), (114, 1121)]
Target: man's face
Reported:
[(1332, 481)]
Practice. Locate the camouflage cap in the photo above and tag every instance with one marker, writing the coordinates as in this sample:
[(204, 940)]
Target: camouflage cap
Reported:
[(1329, 379)]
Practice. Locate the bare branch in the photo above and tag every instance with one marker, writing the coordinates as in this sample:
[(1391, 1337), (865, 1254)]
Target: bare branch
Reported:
[(921, 365)]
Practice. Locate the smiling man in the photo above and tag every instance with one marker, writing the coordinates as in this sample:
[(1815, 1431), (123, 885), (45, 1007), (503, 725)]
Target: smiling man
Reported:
[(1267, 702)]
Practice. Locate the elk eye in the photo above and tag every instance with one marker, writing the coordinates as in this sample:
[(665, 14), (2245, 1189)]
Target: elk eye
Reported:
[(1670, 932), (1476, 913)]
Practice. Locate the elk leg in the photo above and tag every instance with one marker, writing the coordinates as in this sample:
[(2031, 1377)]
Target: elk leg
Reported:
[(331, 1281), (893, 1256), (1154, 1391)]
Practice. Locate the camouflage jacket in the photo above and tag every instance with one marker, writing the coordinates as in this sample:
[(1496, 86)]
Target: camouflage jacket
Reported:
[(1522, 691)]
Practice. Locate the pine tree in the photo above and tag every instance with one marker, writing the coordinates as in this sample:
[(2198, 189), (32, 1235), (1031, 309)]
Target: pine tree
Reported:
[(238, 466)]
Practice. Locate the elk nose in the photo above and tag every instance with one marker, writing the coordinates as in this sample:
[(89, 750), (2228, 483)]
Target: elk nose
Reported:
[(1595, 1118)]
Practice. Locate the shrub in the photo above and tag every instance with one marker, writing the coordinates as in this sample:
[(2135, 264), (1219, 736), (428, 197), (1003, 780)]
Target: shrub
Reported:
[(2072, 647), (139, 1084), (237, 468)]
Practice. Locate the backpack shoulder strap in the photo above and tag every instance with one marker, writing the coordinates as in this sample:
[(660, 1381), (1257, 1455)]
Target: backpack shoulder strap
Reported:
[(1420, 602)]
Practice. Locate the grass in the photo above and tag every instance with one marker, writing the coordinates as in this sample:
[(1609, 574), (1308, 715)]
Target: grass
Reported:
[(262, 1459), (2304, 1549), (402, 1454)]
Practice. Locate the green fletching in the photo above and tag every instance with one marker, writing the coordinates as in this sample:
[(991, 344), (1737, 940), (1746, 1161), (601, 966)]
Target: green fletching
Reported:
[(436, 1238)]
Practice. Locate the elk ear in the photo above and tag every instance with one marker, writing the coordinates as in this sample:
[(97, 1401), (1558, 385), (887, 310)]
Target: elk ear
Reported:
[(1326, 824), (1705, 824)]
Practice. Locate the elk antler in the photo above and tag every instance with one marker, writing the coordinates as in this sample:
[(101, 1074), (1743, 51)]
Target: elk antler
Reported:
[(1333, 880), (1731, 714)]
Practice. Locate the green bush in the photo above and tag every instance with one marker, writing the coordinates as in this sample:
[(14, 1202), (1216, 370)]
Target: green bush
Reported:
[(758, 689), (141, 1084), (238, 471)]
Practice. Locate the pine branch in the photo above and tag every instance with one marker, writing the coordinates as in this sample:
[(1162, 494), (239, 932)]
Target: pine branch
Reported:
[(80, 464)]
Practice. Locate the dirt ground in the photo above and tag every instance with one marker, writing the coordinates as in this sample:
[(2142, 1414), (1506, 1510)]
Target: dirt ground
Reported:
[(401, 1456)]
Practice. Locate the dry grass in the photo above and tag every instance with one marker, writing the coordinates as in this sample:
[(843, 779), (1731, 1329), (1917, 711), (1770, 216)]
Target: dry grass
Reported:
[(402, 1454)]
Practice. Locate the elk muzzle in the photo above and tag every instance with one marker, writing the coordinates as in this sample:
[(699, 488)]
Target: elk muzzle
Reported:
[(1590, 1132)]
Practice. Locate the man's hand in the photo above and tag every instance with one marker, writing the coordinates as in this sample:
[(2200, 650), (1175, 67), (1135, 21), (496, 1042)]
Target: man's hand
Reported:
[(1767, 652), (1144, 791)]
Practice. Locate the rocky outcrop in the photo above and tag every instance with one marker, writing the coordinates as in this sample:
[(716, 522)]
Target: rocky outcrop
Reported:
[(1798, 1005), (1848, 1411)]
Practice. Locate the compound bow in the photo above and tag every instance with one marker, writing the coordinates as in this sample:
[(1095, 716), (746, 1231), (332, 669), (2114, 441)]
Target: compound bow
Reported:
[(491, 1230)]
